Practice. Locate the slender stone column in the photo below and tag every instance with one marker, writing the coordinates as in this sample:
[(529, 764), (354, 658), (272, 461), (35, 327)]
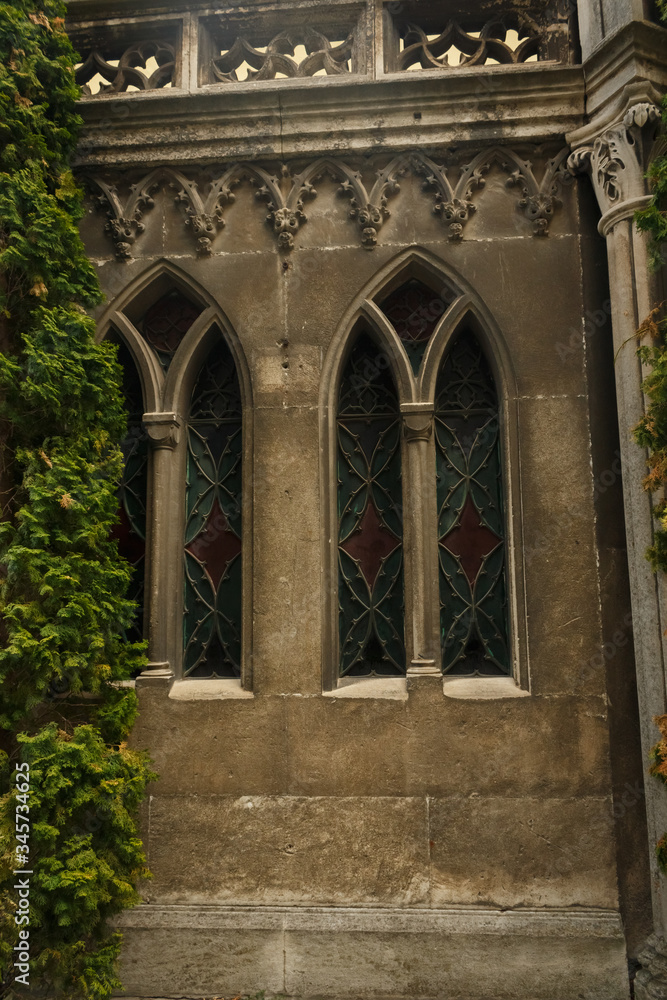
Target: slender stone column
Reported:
[(418, 433), (616, 159), (163, 431)]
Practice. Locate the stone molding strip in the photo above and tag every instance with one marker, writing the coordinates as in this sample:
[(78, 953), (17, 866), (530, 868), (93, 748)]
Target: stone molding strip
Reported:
[(562, 923)]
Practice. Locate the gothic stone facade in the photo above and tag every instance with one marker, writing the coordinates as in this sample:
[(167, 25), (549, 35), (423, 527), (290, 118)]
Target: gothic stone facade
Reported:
[(369, 265)]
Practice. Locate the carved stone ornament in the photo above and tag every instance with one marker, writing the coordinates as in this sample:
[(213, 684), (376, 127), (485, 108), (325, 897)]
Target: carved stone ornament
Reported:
[(276, 58), (617, 160), (474, 49), (651, 980), (453, 203), (124, 220), (417, 426), (163, 430), (128, 72), (206, 197)]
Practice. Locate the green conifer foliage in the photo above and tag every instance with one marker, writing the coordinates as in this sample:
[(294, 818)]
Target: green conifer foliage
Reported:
[(62, 593)]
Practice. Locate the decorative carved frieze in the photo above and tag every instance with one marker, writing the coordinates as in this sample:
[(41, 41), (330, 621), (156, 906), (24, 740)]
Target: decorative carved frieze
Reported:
[(539, 200), (370, 208), (278, 57), (206, 196), (124, 219), (617, 159), (453, 203), (126, 72)]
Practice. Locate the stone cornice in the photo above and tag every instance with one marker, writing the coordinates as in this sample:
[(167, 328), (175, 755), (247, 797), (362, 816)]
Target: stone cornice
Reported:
[(286, 119)]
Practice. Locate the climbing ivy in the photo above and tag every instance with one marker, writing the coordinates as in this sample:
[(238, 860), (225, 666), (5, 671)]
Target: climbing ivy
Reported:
[(651, 432), (64, 713)]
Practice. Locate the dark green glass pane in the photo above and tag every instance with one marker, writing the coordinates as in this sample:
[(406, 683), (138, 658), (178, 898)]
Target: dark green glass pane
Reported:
[(213, 578), (370, 528), (471, 522)]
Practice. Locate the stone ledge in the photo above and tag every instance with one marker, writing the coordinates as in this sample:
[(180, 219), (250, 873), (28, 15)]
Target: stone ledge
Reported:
[(208, 689), (482, 688), (394, 688), (562, 923), (344, 954)]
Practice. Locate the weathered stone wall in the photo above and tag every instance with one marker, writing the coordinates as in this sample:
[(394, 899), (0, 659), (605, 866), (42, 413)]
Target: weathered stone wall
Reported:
[(402, 837)]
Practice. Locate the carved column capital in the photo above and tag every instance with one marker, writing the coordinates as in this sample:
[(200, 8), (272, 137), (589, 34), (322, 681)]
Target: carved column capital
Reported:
[(163, 429), (617, 160), (417, 424)]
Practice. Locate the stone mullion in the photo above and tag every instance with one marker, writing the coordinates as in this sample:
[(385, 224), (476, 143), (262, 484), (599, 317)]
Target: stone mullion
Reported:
[(421, 547), (163, 577)]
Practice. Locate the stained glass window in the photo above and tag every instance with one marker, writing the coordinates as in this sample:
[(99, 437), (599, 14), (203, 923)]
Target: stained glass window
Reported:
[(471, 523), (370, 529), (414, 310), (212, 614), (130, 532), (166, 323)]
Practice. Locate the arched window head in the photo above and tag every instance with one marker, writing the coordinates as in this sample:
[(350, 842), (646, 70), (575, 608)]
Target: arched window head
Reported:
[(414, 311), (130, 532), (166, 322), (471, 522), (212, 610), (370, 529)]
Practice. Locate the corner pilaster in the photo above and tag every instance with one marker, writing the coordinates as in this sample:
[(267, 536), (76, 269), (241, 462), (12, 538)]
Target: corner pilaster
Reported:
[(616, 158)]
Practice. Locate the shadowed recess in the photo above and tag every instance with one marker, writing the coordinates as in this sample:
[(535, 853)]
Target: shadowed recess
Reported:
[(130, 532)]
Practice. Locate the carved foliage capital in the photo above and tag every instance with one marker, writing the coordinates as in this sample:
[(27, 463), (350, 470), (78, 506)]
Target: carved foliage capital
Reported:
[(617, 159)]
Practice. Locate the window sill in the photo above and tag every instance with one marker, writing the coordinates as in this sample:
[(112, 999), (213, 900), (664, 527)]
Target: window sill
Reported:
[(208, 690), (482, 688), (394, 688)]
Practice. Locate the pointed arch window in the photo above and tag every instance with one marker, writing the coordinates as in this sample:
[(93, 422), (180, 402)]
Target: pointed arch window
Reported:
[(212, 609), (130, 532), (471, 520), (370, 528)]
